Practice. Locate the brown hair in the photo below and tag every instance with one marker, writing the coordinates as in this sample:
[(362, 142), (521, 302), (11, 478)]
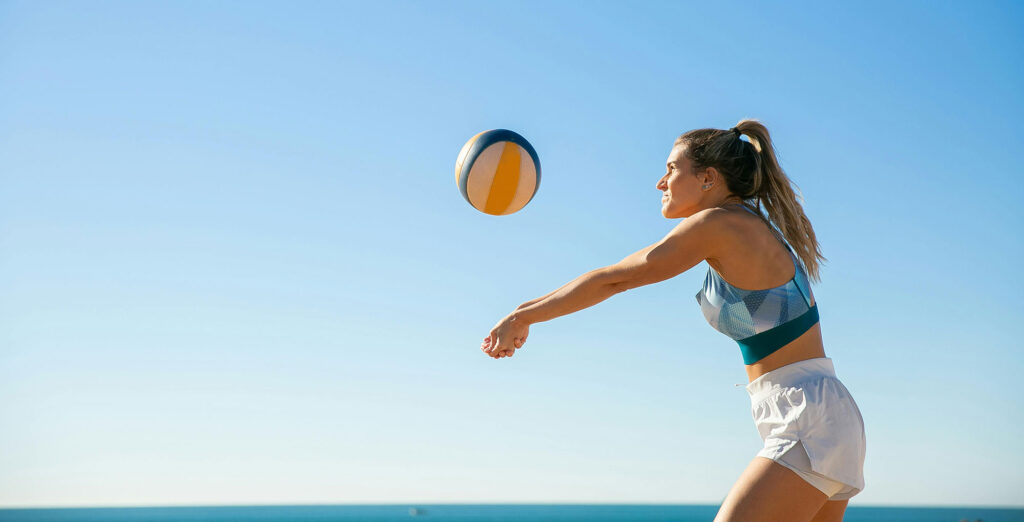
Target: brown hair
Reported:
[(752, 172)]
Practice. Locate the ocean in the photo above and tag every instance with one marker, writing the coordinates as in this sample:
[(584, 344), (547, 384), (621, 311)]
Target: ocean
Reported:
[(481, 513)]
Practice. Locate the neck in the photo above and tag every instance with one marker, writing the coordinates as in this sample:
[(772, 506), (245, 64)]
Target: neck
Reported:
[(729, 200)]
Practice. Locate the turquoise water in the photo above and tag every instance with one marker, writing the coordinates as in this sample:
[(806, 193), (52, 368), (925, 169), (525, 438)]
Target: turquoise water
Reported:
[(482, 513)]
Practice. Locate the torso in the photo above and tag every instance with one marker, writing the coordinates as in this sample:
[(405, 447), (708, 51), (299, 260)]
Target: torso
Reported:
[(752, 257)]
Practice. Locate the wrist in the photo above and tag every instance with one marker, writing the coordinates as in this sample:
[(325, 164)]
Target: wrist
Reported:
[(520, 316)]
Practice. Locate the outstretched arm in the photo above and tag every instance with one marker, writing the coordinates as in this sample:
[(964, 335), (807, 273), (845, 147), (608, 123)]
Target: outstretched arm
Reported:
[(693, 240), (539, 299)]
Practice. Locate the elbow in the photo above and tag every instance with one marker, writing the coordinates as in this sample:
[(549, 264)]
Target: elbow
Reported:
[(638, 279), (620, 281), (609, 280), (622, 286), (617, 288)]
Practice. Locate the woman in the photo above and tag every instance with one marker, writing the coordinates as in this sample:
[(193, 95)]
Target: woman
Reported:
[(814, 443)]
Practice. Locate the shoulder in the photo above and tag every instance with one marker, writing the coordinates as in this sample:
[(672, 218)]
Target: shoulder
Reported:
[(721, 231), (714, 227), (719, 216)]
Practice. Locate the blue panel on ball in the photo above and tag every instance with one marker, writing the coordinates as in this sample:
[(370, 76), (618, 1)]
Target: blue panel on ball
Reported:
[(486, 140)]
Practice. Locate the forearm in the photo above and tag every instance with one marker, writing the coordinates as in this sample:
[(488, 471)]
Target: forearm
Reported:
[(539, 299), (585, 291)]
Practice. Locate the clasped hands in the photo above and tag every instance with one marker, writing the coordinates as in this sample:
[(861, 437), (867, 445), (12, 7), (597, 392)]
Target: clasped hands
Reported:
[(506, 337)]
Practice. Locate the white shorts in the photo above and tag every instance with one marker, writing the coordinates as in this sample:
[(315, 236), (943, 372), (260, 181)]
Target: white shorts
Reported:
[(810, 423)]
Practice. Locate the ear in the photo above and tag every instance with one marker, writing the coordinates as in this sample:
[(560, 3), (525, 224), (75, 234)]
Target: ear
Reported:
[(709, 175)]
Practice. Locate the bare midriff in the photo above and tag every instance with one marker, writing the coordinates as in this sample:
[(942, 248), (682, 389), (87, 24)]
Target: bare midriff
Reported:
[(807, 346), (755, 241)]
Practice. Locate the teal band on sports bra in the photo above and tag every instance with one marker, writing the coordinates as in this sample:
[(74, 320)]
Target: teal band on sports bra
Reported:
[(759, 346)]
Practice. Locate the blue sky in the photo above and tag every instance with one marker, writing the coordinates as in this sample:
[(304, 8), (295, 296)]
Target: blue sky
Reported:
[(235, 267)]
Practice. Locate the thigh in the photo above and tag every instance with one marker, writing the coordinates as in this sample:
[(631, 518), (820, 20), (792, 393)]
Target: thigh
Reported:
[(768, 491), (832, 511)]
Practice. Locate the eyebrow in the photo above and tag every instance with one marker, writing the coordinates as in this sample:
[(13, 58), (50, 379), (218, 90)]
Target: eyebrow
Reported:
[(670, 163)]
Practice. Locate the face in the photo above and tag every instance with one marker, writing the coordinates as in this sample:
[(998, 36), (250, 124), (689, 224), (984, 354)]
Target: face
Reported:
[(681, 189)]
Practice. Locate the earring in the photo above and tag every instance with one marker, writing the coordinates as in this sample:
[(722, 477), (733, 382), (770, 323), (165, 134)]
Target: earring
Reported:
[(708, 186)]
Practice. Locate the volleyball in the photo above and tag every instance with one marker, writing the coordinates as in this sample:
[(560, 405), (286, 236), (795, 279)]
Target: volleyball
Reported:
[(497, 172)]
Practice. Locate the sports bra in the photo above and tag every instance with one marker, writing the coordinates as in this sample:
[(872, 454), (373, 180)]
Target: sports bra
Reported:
[(760, 321)]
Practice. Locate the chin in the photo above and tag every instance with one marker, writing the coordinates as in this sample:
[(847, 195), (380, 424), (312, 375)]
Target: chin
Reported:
[(673, 213)]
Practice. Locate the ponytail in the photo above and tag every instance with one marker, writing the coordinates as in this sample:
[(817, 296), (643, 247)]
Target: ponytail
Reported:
[(752, 171)]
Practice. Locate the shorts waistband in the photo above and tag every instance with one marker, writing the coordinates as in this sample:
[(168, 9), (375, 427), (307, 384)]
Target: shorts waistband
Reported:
[(789, 375)]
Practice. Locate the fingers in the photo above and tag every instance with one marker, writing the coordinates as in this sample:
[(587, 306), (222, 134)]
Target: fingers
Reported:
[(497, 349), (491, 348), (507, 352)]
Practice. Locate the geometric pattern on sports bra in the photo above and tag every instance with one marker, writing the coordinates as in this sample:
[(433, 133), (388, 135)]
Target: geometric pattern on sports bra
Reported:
[(740, 313), (784, 312)]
